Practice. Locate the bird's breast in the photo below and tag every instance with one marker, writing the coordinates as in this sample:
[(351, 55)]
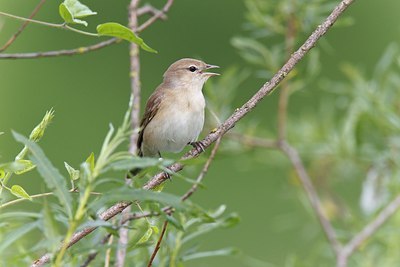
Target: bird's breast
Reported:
[(177, 123)]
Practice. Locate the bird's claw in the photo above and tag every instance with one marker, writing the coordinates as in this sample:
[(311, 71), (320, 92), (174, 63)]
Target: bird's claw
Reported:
[(167, 176), (199, 146)]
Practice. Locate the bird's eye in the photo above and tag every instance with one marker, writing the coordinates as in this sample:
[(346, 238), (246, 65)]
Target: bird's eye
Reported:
[(192, 68)]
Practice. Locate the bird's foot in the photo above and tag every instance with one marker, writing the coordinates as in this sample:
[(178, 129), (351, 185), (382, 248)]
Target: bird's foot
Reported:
[(168, 176), (199, 146)]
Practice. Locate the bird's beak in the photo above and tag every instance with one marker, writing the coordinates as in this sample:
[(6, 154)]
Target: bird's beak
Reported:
[(208, 66)]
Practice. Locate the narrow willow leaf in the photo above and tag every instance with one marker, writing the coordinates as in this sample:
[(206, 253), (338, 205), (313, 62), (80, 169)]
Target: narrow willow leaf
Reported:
[(85, 175), (27, 166), (16, 214), (18, 191), (229, 221), (50, 227), (117, 30), (73, 174), (2, 173), (155, 229), (146, 236), (18, 166), (137, 162), (90, 160), (15, 234), (54, 180), (175, 222), (213, 253), (218, 212)]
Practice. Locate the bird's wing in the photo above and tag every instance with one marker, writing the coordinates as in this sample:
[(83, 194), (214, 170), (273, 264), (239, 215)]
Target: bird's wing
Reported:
[(152, 107)]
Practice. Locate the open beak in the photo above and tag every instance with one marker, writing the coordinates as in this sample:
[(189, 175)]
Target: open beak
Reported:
[(208, 66)]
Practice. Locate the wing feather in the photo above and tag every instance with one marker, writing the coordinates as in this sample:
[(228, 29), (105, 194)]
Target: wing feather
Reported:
[(152, 107)]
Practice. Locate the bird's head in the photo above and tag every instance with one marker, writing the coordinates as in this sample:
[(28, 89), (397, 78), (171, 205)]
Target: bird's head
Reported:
[(189, 72)]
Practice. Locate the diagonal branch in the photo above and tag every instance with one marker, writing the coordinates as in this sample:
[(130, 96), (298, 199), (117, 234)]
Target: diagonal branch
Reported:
[(23, 26), (158, 245), (239, 113)]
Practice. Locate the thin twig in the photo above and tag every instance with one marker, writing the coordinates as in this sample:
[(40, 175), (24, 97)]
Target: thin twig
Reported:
[(124, 220), (107, 257), (146, 9), (312, 195), (23, 26), (370, 228), (157, 16), (135, 77), (15, 201), (93, 255), (65, 52), (158, 244), (83, 50), (298, 165), (203, 171), (135, 120), (342, 252), (49, 24), (239, 113)]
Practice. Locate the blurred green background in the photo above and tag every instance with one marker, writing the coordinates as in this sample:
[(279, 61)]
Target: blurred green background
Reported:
[(90, 91)]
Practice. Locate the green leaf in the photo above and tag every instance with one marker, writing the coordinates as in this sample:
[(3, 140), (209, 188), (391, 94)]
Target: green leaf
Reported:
[(147, 235), (18, 166), (137, 162), (71, 10), (16, 214), (73, 174), (65, 13), (218, 212), (229, 221), (50, 227), (2, 173), (15, 234), (52, 177), (117, 30), (213, 253), (27, 166), (175, 222), (18, 191), (90, 161), (78, 10)]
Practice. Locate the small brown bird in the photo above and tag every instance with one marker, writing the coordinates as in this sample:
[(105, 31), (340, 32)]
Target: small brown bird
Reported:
[(174, 114)]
